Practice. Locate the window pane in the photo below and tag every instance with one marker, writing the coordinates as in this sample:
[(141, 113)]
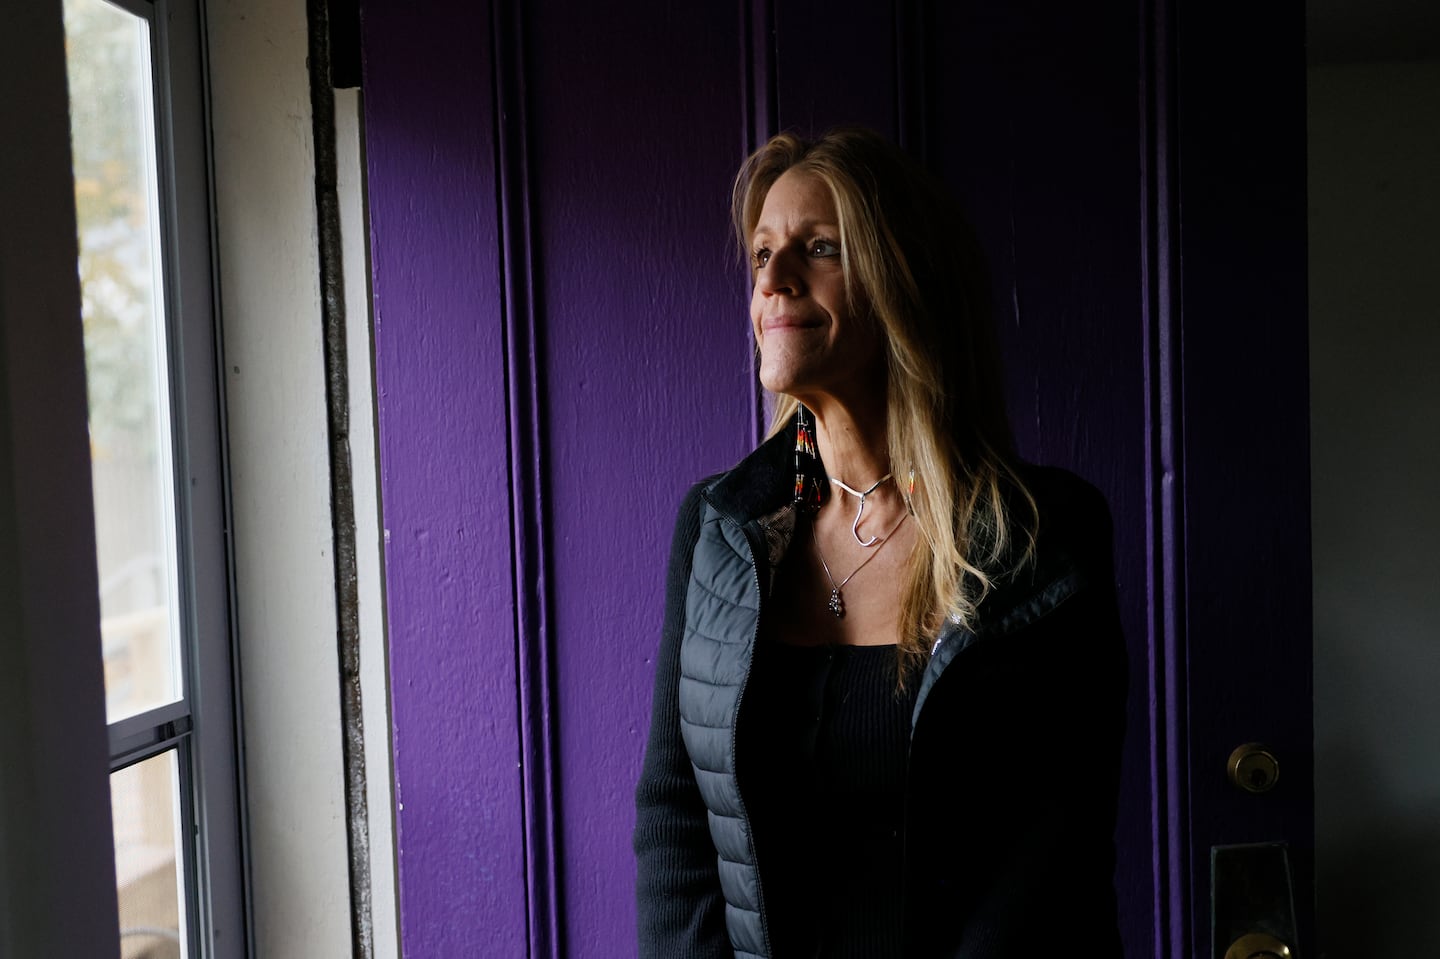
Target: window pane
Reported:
[(122, 294), (145, 800)]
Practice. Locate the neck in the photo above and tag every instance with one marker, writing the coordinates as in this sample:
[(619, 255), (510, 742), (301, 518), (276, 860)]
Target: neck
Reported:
[(852, 442)]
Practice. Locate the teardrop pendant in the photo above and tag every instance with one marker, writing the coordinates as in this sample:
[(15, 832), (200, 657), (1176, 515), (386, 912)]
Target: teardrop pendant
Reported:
[(837, 606)]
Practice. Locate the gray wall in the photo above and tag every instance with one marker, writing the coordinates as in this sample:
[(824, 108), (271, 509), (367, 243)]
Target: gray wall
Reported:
[(1375, 366)]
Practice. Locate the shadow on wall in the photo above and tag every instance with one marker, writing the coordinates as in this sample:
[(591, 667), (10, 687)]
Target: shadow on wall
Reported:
[(1385, 874), (1375, 400)]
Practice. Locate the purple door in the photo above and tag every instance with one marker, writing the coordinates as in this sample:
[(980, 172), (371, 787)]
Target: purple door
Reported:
[(1232, 603), (561, 348)]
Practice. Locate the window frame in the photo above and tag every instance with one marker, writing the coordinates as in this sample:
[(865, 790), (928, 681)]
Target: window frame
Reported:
[(203, 724)]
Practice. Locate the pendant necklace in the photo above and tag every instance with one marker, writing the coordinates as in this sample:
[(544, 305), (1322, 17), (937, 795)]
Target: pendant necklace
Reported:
[(836, 604), (855, 526)]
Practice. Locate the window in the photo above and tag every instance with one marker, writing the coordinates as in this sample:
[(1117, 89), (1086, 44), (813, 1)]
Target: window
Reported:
[(142, 202)]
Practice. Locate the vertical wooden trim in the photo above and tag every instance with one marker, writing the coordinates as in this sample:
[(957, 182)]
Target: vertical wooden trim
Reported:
[(279, 481), (913, 78), (761, 118), (525, 415), (1164, 445), (757, 59), (342, 499)]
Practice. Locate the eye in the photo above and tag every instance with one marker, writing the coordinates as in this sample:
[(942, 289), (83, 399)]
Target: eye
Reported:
[(822, 248), (760, 257)]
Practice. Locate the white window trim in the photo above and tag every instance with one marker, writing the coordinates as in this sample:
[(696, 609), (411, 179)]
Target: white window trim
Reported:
[(271, 317), (369, 534)]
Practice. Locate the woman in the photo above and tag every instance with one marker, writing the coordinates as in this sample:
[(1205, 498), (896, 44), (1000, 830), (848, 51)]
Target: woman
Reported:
[(889, 695)]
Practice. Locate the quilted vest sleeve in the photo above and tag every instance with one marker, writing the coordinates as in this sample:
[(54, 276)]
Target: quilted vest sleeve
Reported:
[(722, 612), (680, 908)]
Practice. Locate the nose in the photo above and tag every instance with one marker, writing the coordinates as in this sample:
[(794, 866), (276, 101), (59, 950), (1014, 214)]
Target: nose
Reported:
[(779, 274)]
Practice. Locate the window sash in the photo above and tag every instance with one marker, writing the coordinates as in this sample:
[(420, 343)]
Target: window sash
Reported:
[(202, 724)]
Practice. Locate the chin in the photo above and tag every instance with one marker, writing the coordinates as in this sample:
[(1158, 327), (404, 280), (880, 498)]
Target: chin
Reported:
[(785, 377), (788, 385)]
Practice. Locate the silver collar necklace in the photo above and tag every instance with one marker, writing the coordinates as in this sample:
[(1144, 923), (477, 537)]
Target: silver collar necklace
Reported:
[(855, 526)]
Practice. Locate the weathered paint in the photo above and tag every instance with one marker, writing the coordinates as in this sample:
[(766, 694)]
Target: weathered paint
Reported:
[(274, 384), (374, 668)]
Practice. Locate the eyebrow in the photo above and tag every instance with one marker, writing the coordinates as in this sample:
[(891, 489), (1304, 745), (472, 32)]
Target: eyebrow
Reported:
[(808, 226)]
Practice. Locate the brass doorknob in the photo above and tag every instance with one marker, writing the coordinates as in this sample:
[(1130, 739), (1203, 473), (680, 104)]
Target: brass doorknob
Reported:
[(1253, 768), (1258, 945)]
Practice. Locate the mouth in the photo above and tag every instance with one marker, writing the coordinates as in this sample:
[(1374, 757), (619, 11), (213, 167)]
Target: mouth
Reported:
[(786, 321)]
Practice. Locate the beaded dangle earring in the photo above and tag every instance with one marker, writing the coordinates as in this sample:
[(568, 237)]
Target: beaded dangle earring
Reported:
[(807, 483)]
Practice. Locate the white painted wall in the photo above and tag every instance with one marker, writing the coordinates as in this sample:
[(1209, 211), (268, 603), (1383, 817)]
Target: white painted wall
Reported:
[(1375, 392), (285, 590)]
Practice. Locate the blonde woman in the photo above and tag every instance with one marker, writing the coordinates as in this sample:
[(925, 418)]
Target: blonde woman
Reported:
[(889, 694)]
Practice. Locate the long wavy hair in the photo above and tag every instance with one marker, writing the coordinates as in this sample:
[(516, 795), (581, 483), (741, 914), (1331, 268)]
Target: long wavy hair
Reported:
[(910, 257)]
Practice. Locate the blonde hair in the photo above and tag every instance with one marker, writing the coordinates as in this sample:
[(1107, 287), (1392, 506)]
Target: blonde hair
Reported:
[(908, 254)]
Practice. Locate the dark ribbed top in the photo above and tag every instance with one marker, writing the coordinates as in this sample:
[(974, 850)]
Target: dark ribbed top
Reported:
[(823, 739)]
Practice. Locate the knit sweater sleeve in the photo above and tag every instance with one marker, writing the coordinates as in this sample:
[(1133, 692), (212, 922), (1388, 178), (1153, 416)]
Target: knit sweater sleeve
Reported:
[(680, 907)]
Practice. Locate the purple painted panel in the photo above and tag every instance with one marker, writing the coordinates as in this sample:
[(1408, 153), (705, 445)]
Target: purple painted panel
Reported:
[(1035, 123), (440, 369), (637, 125)]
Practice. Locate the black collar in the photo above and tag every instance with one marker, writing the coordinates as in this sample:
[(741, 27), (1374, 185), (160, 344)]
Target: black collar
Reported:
[(760, 484)]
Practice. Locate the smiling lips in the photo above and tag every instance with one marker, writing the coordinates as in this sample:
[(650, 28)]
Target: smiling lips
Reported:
[(788, 321)]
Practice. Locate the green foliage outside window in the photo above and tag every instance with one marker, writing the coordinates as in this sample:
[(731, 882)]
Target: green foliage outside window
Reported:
[(119, 266)]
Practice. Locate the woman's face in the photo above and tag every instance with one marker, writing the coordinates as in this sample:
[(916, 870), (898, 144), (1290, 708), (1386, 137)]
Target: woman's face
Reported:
[(811, 345)]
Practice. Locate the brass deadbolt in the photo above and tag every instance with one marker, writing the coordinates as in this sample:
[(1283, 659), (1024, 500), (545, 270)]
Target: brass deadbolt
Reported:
[(1258, 945), (1253, 768)]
